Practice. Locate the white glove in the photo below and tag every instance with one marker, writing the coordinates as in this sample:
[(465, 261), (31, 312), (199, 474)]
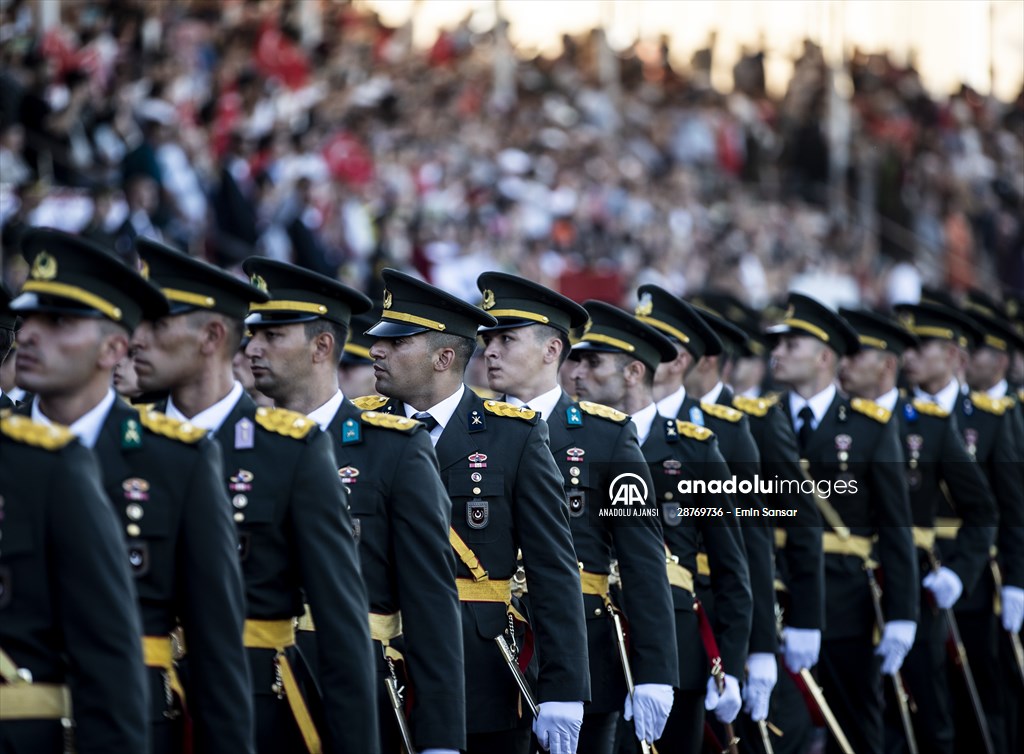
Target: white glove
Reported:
[(762, 674), (800, 648), (1013, 608), (945, 587), (653, 703), (727, 704), (897, 639), (557, 726)]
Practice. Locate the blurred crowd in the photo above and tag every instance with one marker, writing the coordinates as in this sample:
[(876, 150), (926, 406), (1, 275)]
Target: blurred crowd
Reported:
[(228, 127)]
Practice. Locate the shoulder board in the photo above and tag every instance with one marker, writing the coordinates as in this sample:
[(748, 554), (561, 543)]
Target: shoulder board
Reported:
[(38, 435), (753, 406), (369, 402), (162, 424), (929, 408), (500, 408), (388, 421), (719, 411), (605, 412), (694, 431), (987, 404), (483, 392), (872, 409), (285, 422)]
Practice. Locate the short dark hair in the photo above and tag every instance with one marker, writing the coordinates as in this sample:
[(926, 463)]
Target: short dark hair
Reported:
[(235, 327), (463, 347), (544, 332), (625, 358), (339, 332)]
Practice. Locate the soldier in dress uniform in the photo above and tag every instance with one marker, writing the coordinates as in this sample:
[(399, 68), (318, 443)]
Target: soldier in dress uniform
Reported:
[(68, 626), (944, 481), (697, 365), (69, 631), (987, 370), (591, 444), (293, 529), (615, 365), (852, 451), (988, 437), (399, 507), (799, 559), (8, 322), (79, 307), (506, 494)]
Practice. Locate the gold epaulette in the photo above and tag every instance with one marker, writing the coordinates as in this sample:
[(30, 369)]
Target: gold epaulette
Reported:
[(285, 422), (1009, 402), (872, 409), (165, 426), (369, 402), (38, 435), (753, 406), (695, 431), (1020, 395), (388, 421), (500, 408), (719, 411), (930, 409), (605, 412), (987, 404)]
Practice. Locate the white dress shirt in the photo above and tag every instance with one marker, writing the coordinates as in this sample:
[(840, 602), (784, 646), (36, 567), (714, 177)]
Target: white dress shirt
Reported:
[(210, 418), (326, 413), (87, 427), (544, 404), (945, 398), (819, 405), (669, 405), (998, 390), (712, 396), (442, 412), (643, 419), (888, 400)]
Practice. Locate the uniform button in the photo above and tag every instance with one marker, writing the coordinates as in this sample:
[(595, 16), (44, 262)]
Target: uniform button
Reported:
[(668, 495), (239, 517), (239, 501), (575, 470), (133, 511), (575, 480), (133, 530), (597, 611), (476, 490)]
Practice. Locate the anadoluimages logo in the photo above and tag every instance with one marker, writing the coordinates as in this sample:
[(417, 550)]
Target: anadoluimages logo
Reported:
[(628, 489), (627, 497)]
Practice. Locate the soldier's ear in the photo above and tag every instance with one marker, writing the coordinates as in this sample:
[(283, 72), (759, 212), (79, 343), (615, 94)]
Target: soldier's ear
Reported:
[(553, 350), (633, 372), (113, 347), (323, 348), (213, 334)]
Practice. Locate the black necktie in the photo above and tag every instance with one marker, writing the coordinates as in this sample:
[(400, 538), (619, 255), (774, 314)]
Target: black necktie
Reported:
[(427, 419), (803, 436)]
